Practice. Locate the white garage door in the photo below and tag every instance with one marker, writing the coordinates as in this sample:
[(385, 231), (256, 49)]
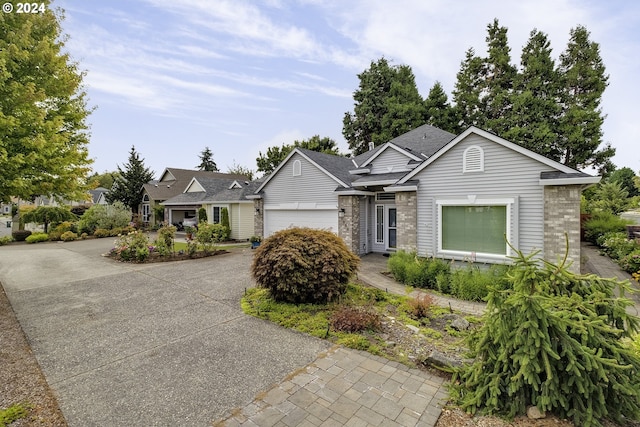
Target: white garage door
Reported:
[(280, 219)]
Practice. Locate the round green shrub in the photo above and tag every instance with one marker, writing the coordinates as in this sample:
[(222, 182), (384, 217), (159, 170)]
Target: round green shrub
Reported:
[(304, 265), (101, 232), (37, 237), (68, 236)]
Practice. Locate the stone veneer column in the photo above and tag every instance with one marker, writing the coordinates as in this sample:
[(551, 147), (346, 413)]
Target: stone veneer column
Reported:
[(258, 218), (562, 215), (349, 222), (407, 220)]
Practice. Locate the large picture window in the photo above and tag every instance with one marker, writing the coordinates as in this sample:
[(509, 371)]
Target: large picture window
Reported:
[(474, 228)]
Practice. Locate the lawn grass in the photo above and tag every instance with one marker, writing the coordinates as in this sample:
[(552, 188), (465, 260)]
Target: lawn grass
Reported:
[(182, 246), (12, 413)]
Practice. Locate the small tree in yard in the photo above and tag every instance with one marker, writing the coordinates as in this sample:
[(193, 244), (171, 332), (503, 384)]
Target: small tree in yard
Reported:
[(208, 235), (555, 341), (224, 221), (47, 215), (202, 215), (304, 265)]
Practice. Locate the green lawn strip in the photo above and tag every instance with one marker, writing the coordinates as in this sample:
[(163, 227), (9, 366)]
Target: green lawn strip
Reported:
[(182, 246), (12, 413)]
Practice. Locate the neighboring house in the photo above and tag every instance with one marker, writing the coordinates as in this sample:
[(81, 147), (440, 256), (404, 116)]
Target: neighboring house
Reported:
[(172, 182), (448, 196), (217, 193), (98, 196)]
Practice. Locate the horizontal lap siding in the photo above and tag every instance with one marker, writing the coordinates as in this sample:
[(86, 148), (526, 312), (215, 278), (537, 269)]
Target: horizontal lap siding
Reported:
[(506, 174), (313, 186), (389, 158)]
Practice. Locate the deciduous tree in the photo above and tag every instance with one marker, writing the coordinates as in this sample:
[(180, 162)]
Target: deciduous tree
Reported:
[(46, 215), (269, 161), (43, 110)]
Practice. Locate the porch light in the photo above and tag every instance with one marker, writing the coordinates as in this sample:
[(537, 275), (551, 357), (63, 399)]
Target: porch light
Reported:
[(257, 211), (341, 213)]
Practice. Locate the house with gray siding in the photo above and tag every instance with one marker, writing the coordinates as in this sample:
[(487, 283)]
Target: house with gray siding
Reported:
[(442, 195)]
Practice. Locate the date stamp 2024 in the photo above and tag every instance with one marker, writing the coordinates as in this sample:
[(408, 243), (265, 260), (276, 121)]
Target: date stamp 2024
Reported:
[(23, 7)]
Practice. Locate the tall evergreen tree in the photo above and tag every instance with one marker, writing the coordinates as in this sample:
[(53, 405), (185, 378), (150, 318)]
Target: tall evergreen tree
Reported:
[(466, 94), (533, 120), (405, 109), (583, 83), (128, 184), (43, 110), (439, 111), (497, 79), (387, 104), (206, 161)]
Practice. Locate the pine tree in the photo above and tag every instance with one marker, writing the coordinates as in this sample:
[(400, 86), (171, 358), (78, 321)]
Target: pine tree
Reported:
[(497, 80), (583, 83), (206, 161), (555, 340), (439, 112), (466, 94), (43, 110), (387, 104), (128, 184), (533, 120)]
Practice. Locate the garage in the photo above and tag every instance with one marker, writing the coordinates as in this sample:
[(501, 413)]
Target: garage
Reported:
[(275, 220)]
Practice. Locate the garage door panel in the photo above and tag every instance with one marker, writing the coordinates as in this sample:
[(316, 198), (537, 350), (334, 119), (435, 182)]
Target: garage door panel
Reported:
[(281, 219)]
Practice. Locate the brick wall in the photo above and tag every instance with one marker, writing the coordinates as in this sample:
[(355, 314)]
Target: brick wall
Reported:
[(562, 215), (349, 222), (407, 220)]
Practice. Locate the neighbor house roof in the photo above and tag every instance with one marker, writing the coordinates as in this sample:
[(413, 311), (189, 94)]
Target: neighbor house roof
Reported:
[(96, 193), (174, 181), (215, 190)]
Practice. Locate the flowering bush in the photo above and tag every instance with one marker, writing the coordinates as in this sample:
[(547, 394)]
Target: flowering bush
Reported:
[(164, 242), (631, 263), (132, 247)]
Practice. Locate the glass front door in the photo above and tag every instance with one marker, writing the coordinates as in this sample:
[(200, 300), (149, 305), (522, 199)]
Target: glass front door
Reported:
[(392, 228)]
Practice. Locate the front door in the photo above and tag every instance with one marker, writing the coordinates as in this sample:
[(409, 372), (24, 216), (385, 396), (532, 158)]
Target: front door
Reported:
[(392, 231)]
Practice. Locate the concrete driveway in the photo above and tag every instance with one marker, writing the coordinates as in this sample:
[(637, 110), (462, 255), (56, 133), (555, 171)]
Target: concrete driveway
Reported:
[(155, 344)]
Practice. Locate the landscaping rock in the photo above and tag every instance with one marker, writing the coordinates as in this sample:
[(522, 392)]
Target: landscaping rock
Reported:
[(441, 360), (415, 329), (534, 413), (460, 324)]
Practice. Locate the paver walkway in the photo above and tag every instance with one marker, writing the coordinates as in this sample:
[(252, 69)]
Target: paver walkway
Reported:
[(345, 387)]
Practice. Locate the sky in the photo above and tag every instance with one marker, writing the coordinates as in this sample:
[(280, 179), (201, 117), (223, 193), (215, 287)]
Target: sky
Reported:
[(175, 76)]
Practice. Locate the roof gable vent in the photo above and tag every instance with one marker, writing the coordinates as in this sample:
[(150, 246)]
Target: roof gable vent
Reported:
[(473, 159)]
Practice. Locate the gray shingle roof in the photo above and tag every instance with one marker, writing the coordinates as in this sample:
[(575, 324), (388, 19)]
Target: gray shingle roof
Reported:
[(337, 166), (216, 190), (422, 141), (164, 190), (562, 175)]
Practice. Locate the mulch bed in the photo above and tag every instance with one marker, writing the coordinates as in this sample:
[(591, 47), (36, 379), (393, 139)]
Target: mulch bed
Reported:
[(21, 380)]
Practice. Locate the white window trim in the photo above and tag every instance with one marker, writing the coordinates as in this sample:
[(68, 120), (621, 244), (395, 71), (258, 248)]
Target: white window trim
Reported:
[(297, 168), (379, 239), (472, 200), (465, 162)]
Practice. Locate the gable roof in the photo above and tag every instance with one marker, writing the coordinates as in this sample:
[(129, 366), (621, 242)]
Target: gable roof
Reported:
[(215, 190), (335, 167), (494, 138), (97, 194), (174, 181), (422, 142)]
